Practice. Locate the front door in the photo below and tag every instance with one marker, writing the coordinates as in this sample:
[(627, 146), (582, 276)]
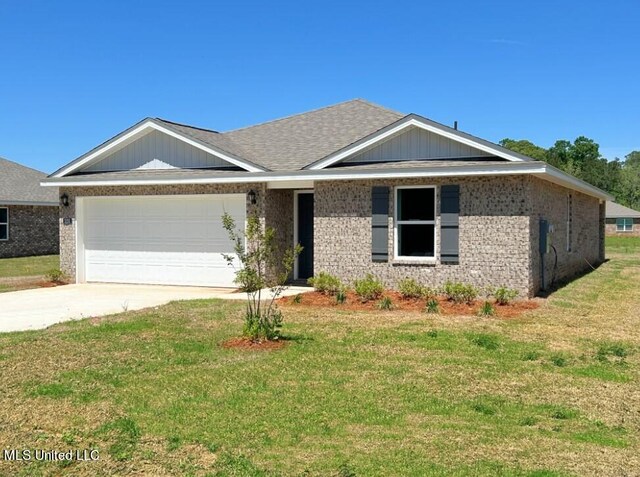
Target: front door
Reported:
[(305, 234)]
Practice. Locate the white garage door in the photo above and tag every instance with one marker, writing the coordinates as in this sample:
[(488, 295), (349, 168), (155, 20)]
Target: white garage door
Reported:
[(168, 240)]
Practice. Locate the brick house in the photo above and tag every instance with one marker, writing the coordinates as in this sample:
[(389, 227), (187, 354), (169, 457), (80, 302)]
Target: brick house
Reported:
[(621, 220), (361, 187), (28, 212)]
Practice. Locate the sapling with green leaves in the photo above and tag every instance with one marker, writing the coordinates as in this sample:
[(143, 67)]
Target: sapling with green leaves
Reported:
[(259, 265)]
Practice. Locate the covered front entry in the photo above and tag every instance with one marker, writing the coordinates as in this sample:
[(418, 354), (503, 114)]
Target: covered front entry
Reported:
[(303, 233), (166, 240)]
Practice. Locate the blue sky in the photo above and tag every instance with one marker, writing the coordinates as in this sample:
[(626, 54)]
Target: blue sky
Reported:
[(73, 74)]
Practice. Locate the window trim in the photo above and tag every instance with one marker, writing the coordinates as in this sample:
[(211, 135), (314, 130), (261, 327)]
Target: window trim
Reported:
[(5, 223), (396, 222), (625, 224)]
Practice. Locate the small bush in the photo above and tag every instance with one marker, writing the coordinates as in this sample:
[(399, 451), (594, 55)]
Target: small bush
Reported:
[(410, 289), (297, 298), (486, 341), (460, 292), (341, 297), (385, 303), (326, 283), (55, 275), (432, 306), (504, 295), (429, 293), (368, 288), (487, 309)]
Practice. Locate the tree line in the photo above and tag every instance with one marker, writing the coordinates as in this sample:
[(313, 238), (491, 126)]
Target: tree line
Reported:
[(581, 158)]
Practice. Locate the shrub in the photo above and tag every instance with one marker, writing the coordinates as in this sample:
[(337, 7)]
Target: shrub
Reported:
[(460, 292), (487, 309), (429, 293), (432, 306), (504, 295), (261, 266), (56, 275), (385, 303), (368, 288), (410, 289), (297, 298), (341, 296), (325, 283)]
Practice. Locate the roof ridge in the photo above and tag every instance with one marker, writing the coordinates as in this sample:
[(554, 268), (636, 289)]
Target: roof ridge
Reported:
[(188, 126), (290, 116)]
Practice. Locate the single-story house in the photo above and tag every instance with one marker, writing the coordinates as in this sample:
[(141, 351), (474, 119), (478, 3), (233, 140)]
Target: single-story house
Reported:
[(29, 213), (622, 220), (362, 188)]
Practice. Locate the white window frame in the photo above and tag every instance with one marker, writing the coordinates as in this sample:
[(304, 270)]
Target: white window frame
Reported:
[(5, 223), (396, 223), (627, 224)]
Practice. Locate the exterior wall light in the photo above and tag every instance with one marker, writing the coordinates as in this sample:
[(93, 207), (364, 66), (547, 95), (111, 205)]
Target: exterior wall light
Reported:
[(252, 197), (64, 200)]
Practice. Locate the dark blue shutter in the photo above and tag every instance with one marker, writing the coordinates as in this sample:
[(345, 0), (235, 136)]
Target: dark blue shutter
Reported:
[(449, 232), (380, 224)]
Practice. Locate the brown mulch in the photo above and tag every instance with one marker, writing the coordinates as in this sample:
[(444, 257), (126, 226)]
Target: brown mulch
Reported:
[(25, 283), (248, 344), (353, 302)]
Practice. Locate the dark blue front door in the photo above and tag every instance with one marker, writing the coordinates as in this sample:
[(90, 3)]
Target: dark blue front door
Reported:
[(305, 235)]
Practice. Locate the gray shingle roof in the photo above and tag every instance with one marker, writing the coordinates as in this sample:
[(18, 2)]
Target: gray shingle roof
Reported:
[(295, 141), (615, 211), (20, 184)]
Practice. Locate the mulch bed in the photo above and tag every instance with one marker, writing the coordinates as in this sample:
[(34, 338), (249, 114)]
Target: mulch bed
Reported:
[(317, 299), (248, 344)]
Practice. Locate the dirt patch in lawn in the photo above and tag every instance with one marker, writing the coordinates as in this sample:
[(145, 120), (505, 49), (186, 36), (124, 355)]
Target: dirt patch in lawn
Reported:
[(248, 344), (26, 283), (446, 307)]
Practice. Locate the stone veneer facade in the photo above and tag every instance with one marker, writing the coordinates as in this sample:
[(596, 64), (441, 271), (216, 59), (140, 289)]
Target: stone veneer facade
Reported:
[(499, 228), (33, 230)]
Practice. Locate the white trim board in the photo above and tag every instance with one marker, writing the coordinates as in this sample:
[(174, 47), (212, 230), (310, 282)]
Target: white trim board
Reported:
[(138, 131), (539, 169)]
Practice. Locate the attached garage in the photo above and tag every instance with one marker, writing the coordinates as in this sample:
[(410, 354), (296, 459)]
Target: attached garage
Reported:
[(165, 240)]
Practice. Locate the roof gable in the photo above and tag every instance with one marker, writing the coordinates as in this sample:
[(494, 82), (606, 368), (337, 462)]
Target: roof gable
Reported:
[(147, 126), (157, 150), (415, 121)]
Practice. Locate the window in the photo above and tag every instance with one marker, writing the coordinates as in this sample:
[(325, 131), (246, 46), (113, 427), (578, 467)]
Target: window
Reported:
[(4, 223), (569, 222), (624, 225), (415, 223)]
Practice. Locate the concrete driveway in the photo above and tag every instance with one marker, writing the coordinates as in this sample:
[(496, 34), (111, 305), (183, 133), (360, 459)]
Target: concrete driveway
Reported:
[(42, 307)]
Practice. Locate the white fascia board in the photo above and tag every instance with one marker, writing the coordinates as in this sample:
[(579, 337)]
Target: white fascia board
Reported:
[(413, 122), (147, 126), (559, 177), (307, 176)]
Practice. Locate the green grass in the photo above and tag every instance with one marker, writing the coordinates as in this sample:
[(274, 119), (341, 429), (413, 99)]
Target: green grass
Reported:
[(28, 266), (552, 393)]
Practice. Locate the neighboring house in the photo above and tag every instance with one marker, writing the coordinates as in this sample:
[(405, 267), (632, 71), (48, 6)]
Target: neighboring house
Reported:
[(362, 188), (28, 212), (622, 220)]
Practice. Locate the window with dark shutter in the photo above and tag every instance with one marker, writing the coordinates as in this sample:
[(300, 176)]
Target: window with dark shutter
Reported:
[(449, 223), (380, 224), (415, 222)]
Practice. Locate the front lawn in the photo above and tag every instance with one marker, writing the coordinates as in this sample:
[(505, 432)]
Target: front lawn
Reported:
[(553, 392), (28, 266)]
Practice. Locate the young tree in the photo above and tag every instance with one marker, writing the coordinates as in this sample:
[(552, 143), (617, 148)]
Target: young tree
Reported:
[(261, 267)]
